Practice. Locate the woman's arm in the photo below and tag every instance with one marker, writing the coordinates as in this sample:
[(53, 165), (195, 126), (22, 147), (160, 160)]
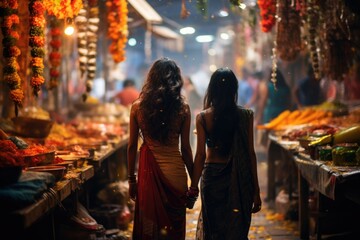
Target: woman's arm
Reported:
[(185, 143), (257, 199), (200, 154), (132, 149)]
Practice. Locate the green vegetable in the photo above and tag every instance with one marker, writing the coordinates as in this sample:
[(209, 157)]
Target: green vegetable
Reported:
[(348, 135)]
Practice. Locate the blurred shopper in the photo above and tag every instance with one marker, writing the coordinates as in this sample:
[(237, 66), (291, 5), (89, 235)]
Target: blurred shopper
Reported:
[(308, 92), (160, 117), (128, 94), (244, 89), (194, 100), (274, 99), (226, 162), (254, 80)]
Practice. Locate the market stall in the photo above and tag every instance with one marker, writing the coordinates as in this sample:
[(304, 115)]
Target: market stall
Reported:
[(323, 158)]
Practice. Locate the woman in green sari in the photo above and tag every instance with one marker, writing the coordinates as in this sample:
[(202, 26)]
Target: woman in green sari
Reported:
[(226, 162)]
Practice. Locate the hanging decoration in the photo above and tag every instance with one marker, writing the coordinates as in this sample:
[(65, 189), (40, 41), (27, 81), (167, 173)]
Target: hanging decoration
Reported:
[(273, 78), (36, 42), (184, 13), (202, 8), (88, 24), (267, 14), (288, 42), (81, 24), (55, 55), (118, 28), (313, 23), (63, 9), (11, 51)]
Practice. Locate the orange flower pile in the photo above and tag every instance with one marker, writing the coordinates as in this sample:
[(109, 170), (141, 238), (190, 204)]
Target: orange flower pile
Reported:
[(267, 14), (55, 55), (63, 9), (36, 42), (118, 28), (10, 50)]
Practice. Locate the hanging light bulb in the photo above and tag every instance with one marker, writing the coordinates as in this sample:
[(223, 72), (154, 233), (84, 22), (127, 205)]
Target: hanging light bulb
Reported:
[(69, 27)]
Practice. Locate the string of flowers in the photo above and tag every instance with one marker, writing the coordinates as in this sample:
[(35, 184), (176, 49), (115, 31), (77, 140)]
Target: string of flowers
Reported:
[(9, 24), (118, 28), (37, 42), (267, 14), (63, 9), (55, 55)]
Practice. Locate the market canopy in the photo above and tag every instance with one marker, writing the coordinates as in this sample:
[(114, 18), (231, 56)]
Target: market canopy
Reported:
[(144, 9)]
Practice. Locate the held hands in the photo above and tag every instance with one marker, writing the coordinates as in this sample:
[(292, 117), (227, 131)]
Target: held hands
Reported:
[(257, 203), (191, 196)]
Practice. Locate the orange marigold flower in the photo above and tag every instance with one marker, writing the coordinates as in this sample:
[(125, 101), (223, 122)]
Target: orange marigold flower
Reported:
[(13, 79), (17, 95), (37, 81), (12, 62), (37, 41), (38, 21), (14, 51), (13, 4), (14, 34), (37, 62), (38, 9)]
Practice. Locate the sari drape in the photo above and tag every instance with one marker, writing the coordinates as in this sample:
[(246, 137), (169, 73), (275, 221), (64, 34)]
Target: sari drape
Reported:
[(159, 207), (227, 192)]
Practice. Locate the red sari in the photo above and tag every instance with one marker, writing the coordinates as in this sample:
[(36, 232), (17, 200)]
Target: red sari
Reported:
[(159, 208)]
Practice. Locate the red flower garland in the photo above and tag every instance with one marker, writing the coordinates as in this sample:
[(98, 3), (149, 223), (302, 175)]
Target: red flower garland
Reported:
[(267, 14), (36, 42), (55, 56), (11, 51)]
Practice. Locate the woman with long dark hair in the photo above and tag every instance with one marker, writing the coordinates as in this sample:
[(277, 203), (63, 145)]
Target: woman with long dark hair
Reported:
[(226, 162), (160, 117)]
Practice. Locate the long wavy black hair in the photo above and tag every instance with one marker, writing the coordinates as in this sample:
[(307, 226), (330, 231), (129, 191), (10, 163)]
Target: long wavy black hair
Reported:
[(221, 95), (161, 101)]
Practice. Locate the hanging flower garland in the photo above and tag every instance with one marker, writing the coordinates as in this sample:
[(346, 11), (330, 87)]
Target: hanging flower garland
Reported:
[(118, 28), (11, 51), (55, 55), (267, 14), (63, 9), (37, 42)]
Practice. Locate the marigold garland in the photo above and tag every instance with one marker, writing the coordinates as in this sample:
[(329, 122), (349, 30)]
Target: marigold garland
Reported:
[(9, 8), (36, 42), (267, 14), (118, 28), (63, 9), (54, 56)]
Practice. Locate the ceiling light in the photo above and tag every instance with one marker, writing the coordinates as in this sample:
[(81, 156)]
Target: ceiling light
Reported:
[(132, 42), (204, 38), (223, 13), (187, 30), (212, 52), (212, 68), (224, 36), (69, 27)]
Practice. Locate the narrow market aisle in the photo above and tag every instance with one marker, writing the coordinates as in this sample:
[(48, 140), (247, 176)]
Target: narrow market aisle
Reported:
[(266, 224)]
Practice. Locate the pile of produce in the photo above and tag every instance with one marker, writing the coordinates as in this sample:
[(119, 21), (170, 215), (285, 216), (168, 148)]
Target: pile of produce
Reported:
[(310, 116)]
